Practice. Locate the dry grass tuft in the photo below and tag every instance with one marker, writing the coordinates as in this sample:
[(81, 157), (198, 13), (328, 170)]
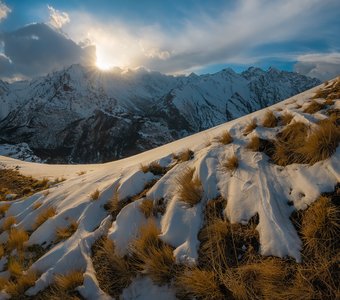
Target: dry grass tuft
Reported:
[(269, 120), (15, 267), (189, 187), (64, 233), (225, 138), (114, 273), (321, 226), (250, 127), (4, 208), (44, 216), (81, 173), (95, 195), (231, 164), (184, 155), (8, 222), (314, 107), (69, 281), (155, 168), (254, 143), (286, 118), (329, 102), (36, 205), (2, 251), (17, 288), (199, 284), (151, 256), (330, 91), (16, 239), (146, 207)]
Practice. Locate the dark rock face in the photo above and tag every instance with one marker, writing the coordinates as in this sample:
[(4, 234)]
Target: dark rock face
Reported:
[(79, 115)]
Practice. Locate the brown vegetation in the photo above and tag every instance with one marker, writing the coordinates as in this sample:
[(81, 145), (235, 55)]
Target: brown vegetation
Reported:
[(95, 195), (64, 233), (184, 155), (44, 216), (250, 127), (231, 164), (269, 120), (8, 222), (155, 168), (225, 138), (189, 187), (17, 239), (254, 143), (314, 107), (286, 118), (147, 208), (330, 91)]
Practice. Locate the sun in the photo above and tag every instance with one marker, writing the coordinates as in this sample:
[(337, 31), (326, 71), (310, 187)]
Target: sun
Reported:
[(103, 65)]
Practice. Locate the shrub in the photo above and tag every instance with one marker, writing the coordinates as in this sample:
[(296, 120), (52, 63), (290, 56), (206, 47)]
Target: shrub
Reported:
[(314, 107), (184, 156), (189, 187), (199, 284), (64, 233), (113, 272), (250, 127), (44, 216), (225, 138), (146, 207), (16, 239), (155, 168), (151, 256), (269, 120), (231, 164), (8, 222), (95, 195)]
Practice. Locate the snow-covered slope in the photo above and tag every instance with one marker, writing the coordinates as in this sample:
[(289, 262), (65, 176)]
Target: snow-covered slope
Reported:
[(257, 186), (83, 115)]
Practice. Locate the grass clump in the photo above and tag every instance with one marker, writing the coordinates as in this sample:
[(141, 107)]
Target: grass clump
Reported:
[(254, 143), (147, 208), (184, 155), (189, 187), (250, 127), (36, 205), (330, 91), (3, 208), (44, 216), (286, 118), (8, 223), (151, 256), (155, 168), (64, 233), (231, 164), (269, 120), (14, 267), (114, 273), (199, 284), (95, 195), (17, 239), (225, 138), (18, 287), (314, 107)]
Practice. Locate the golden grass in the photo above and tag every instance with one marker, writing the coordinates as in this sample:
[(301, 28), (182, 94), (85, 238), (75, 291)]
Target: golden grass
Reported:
[(17, 239), (321, 226), (328, 102), (269, 120), (151, 256), (36, 205), (2, 251), (14, 267), (113, 272), (330, 91), (81, 173), (69, 281), (8, 222), (189, 187), (314, 107), (250, 127), (64, 233), (95, 195), (198, 284), (4, 208), (225, 138), (147, 208), (254, 143), (286, 118), (184, 155), (155, 168), (231, 163), (44, 216), (17, 288), (12, 182)]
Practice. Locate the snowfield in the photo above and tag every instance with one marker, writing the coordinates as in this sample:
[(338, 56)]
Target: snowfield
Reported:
[(255, 187)]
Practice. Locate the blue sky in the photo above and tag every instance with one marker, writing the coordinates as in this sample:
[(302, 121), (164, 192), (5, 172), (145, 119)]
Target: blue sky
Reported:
[(170, 36)]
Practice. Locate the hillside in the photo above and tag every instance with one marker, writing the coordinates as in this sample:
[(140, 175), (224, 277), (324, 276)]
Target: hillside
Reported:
[(248, 209), (82, 115)]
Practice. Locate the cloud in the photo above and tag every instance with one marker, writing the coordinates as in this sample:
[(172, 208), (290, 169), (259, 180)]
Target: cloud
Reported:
[(37, 49), (319, 65), (57, 18), (4, 11), (231, 36)]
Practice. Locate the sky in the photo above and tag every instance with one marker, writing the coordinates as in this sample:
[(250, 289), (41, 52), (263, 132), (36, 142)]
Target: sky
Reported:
[(170, 36)]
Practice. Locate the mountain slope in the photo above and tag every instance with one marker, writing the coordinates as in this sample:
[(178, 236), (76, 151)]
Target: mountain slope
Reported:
[(82, 115), (163, 203)]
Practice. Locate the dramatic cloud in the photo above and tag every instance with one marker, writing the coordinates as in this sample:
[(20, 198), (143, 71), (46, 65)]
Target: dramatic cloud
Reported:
[(37, 49), (4, 11), (322, 66), (57, 18), (231, 36)]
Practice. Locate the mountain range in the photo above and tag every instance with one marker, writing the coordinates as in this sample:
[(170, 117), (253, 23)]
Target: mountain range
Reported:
[(83, 115)]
